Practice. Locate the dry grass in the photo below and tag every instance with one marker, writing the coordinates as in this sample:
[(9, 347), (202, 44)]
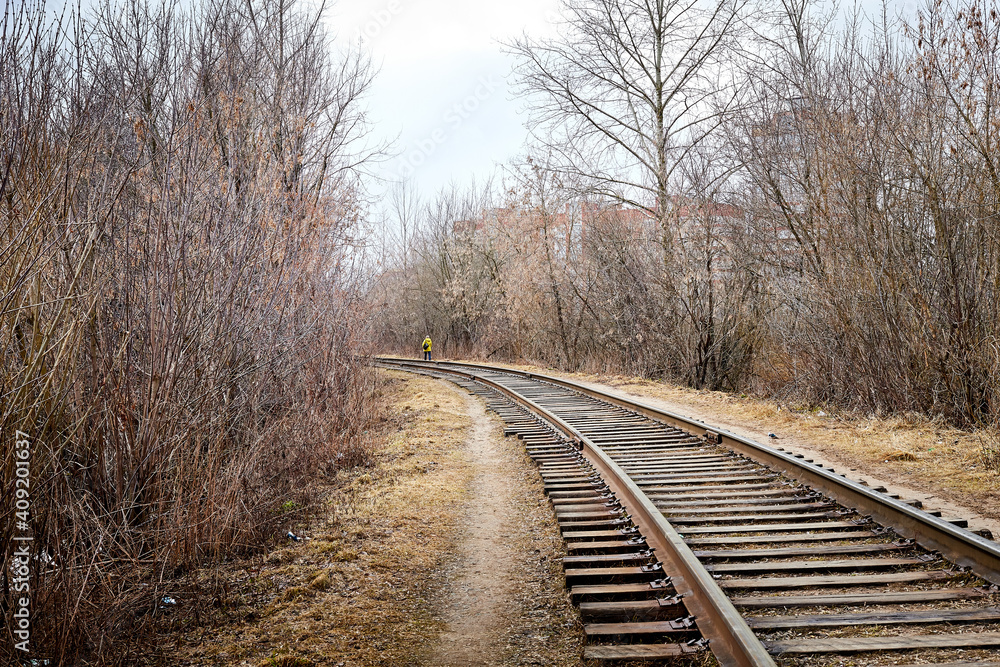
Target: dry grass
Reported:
[(358, 591), (365, 589), (989, 451)]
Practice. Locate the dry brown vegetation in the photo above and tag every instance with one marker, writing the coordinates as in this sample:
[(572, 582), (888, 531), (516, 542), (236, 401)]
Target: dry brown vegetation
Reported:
[(178, 207), (381, 541), (368, 587), (790, 203)]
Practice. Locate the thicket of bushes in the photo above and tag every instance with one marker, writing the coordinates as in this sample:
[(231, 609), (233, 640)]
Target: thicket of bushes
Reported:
[(178, 199)]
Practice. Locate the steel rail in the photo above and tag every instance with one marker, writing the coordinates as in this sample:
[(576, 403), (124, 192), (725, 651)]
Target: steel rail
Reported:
[(730, 638), (958, 545)]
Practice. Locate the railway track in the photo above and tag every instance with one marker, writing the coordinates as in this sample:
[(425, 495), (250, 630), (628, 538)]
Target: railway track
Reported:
[(683, 538)]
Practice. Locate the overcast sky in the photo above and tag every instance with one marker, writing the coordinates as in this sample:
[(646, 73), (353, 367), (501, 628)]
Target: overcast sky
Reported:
[(442, 89), (442, 92)]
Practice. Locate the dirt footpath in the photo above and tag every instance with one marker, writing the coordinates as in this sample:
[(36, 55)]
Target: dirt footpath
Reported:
[(499, 600), (444, 552)]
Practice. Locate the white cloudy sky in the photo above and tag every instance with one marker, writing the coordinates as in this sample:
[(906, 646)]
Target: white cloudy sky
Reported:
[(442, 90)]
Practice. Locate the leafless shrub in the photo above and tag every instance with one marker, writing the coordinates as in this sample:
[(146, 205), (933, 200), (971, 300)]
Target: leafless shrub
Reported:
[(989, 452), (882, 201), (178, 316)]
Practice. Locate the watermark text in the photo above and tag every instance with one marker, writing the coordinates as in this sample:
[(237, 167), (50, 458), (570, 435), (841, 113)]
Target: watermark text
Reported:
[(21, 559)]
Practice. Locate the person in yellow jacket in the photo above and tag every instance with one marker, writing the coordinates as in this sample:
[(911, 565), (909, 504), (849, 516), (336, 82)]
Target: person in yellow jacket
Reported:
[(427, 348)]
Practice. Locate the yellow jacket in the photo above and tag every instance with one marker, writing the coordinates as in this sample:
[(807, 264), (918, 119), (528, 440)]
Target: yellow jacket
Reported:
[(427, 344)]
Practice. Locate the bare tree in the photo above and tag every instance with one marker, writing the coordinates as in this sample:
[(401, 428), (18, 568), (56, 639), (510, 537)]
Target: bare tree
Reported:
[(404, 204), (625, 100), (627, 90)]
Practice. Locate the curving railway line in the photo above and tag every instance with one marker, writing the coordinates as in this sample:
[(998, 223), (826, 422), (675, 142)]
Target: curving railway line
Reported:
[(684, 539)]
